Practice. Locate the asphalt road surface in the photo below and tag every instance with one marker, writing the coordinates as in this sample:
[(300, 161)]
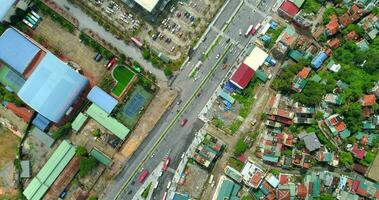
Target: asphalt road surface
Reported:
[(179, 138)]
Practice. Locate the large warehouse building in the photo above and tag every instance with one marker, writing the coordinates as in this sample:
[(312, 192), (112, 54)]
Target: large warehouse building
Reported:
[(245, 72), (51, 86)]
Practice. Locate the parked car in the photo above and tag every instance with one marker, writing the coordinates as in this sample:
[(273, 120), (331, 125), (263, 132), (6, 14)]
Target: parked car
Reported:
[(183, 122), (166, 163), (98, 57)]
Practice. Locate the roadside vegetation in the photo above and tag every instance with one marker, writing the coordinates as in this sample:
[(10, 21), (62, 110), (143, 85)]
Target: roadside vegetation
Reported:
[(55, 16), (274, 34), (87, 162), (87, 40), (145, 192)]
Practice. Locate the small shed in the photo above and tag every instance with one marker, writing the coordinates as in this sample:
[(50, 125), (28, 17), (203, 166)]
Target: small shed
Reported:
[(100, 156), (79, 121), (25, 169), (42, 137)]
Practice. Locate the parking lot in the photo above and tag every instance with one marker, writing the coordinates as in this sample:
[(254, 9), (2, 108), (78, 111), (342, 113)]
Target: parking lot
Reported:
[(183, 26)]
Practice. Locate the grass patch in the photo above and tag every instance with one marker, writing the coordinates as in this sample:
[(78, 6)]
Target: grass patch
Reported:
[(246, 98), (218, 122), (8, 148), (236, 164), (235, 126), (123, 77), (145, 193), (55, 16), (274, 33)]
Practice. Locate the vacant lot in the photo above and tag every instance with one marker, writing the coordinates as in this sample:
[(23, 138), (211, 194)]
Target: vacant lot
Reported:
[(122, 76), (196, 178), (8, 149), (69, 45)]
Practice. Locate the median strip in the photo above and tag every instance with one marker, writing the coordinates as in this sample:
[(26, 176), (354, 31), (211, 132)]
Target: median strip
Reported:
[(165, 132)]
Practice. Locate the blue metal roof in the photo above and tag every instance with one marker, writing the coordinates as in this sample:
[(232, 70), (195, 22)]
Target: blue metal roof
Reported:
[(318, 60), (5, 6), (16, 50), (102, 99), (52, 88), (41, 122)]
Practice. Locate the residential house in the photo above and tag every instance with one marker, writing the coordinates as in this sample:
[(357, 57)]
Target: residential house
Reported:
[(303, 114), (371, 26), (311, 141), (334, 43), (252, 175), (327, 157), (358, 152), (282, 116), (319, 60), (367, 102), (332, 66), (332, 27), (207, 152), (337, 126), (233, 174), (333, 99), (288, 10), (226, 189)]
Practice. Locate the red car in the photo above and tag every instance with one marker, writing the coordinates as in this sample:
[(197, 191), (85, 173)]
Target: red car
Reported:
[(111, 63), (166, 163), (183, 122), (143, 175)]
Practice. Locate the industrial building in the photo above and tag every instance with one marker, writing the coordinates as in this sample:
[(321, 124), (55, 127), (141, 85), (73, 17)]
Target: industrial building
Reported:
[(150, 6), (50, 86)]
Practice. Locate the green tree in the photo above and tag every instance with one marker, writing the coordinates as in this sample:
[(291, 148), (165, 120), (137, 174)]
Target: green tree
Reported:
[(81, 151), (247, 197), (325, 196), (62, 131), (146, 54), (86, 165), (311, 94), (369, 158), (311, 6), (92, 198), (346, 158), (354, 27), (240, 147), (319, 115), (352, 115), (375, 11), (167, 71)]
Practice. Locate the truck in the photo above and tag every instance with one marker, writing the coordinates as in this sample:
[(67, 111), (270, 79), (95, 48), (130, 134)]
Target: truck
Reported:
[(255, 29), (248, 31)]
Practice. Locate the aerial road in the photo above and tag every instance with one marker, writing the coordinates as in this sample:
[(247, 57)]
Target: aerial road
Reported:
[(169, 137)]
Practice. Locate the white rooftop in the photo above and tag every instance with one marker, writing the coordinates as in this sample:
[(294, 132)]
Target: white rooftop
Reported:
[(256, 58), (149, 5)]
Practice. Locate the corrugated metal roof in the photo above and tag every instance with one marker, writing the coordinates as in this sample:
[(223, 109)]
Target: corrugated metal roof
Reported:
[(41, 122), (100, 156), (50, 171), (42, 137), (6, 5), (318, 60), (16, 50), (256, 58), (102, 99), (242, 76), (107, 121), (78, 122), (227, 96), (261, 75), (52, 88)]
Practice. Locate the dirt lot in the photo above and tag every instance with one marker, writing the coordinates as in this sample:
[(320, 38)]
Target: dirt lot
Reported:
[(146, 123), (69, 45), (8, 148), (196, 177), (12, 119)]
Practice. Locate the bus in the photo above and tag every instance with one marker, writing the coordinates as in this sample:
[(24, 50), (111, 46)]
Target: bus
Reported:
[(137, 42), (168, 185), (255, 29), (248, 30)]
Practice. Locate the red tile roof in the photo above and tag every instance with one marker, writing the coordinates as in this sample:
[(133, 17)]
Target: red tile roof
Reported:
[(361, 191), (352, 35), (302, 191), (340, 126), (22, 112), (242, 158), (284, 195), (345, 19), (283, 179), (355, 185), (333, 25), (369, 100), (289, 8), (334, 43), (364, 140), (304, 72), (270, 196), (288, 39), (242, 76), (359, 153), (256, 179)]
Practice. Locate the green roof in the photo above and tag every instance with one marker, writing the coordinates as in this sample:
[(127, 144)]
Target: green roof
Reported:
[(261, 75), (359, 135), (371, 138), (363, 45), (295, 55), (50, 171), (233, 174), (100, 156), (107, 121), (298, 3), (42, 137), (270, 158), (345, 134), (368, 125), (228, 190), (78, 122)]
